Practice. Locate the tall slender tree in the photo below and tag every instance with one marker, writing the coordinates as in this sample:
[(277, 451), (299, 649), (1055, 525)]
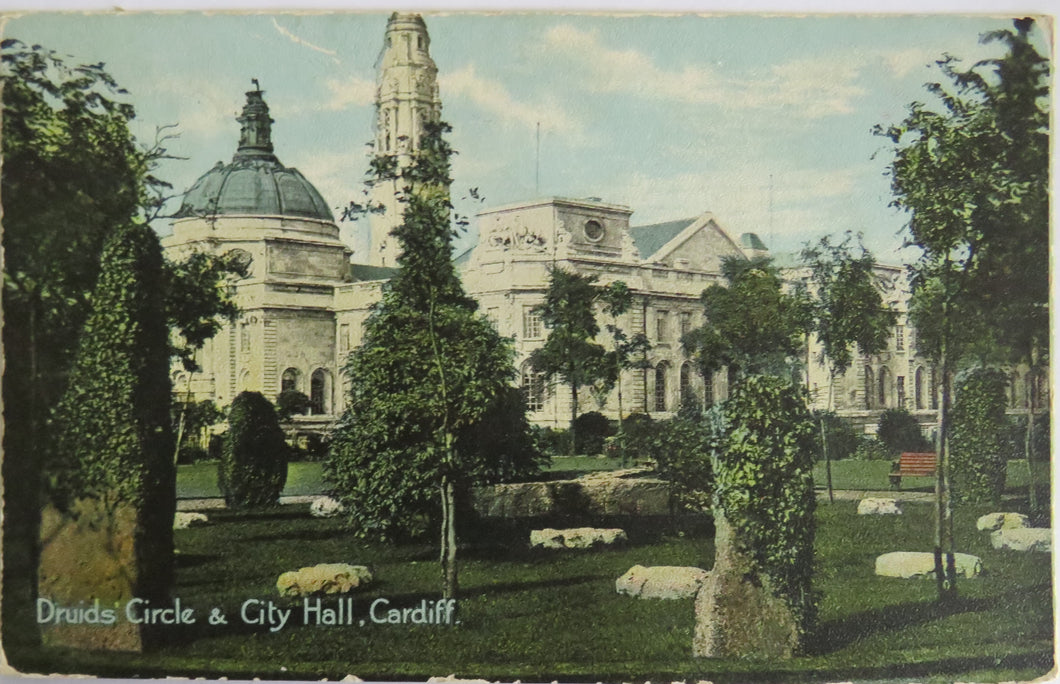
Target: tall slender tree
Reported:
[(429, 371), (971, 170), (571, 351), (848, 311)]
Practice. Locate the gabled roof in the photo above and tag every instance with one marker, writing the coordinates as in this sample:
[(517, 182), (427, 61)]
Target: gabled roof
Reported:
[(651, 238)]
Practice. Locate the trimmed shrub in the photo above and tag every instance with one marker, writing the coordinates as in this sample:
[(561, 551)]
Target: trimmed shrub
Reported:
[(253, 467), (591, 429), (840, 435), (684, 449), (549, 441), (764, 480), (291, 403), (872, 449), (977, 450), (500, 444), (191, 453), (899, 431)]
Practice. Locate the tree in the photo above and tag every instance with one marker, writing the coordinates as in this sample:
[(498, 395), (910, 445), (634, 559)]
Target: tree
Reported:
[(972, 172), (847, 310), (752, 326), (71, 174), (626, 353), (253, 467), (426, 375), (979, 427), (113, 424), (571, 352)]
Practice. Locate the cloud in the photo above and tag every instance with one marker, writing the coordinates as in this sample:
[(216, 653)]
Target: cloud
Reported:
[(300, 41), (494, 98), (810, 88), (351, 91)]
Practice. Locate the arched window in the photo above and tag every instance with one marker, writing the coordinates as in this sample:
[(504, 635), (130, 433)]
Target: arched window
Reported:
[(918, 388), (686, 382), (532, 384), (320, 392), (870, 389), (883, 391), (244, 380), (290, 380), (934, 389), (660, 386), (1013, 390), (708, 390)]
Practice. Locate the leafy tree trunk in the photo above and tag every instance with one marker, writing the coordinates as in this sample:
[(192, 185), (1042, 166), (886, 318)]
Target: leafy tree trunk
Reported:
[(449, 569), (621, 423), (1028, 446), (945, 573), (573, 410), (824, 439)]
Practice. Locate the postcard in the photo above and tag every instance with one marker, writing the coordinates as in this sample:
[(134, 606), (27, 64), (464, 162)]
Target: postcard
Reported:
[(456, 346)]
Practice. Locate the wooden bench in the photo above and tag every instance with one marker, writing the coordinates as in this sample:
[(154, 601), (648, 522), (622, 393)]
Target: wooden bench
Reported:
[(912, 465)]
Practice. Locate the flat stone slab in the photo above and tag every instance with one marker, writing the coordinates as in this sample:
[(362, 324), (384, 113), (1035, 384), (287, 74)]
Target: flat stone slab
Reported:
[(326, 507), (879, 507), (183, 520), (326, 578), (661, 581), (1023, 539), (576, 538), (921, 564), (1002, 521)]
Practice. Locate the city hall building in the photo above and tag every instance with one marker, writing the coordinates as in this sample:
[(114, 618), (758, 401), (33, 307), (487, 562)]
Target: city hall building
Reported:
[(305, 299)]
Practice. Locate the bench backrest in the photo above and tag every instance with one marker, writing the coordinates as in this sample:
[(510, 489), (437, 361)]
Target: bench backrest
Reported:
[(917, 464)]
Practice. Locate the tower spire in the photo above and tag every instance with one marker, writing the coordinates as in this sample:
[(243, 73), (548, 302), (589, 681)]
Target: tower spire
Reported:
[(406, 99), (255, 134)]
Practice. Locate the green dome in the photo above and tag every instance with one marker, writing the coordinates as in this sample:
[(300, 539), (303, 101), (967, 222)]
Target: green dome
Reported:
[(258, 187), (255, 183)]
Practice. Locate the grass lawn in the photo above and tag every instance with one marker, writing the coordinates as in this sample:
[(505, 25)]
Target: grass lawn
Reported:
[(199, 480), (539, 615)]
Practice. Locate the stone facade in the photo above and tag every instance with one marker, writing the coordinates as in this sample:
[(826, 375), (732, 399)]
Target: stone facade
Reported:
[(304, 303)]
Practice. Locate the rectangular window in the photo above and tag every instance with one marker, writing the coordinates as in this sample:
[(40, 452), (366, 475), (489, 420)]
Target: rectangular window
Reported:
[(899, 337), (532, 328), (493, 315), (344, 338), (900, 387), (244, 337), (662, 328), (686, 322)]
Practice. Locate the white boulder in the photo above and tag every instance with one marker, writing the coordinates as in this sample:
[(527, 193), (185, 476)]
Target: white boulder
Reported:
[(661, 581), (918, 564), (1023, 539), (183, 520), (1002, 521), (576, 538), (879, 507), (325, 507), (326, 578)]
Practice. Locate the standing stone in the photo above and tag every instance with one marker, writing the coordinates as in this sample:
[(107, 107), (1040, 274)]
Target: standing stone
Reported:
[(90, 553), (738, 615)]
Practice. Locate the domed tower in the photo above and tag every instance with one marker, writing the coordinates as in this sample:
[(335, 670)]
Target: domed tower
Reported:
[(278, 224), (406, 98)]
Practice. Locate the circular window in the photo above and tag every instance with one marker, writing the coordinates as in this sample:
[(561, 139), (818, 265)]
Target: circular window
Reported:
[(593, 231)]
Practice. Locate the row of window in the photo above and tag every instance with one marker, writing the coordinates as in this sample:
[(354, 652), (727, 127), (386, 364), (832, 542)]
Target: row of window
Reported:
[(879, 388), (319, 388), (535, 388), (534, 329)]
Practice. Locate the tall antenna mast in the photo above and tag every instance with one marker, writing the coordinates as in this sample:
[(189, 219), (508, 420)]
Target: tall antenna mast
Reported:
[(772, 243), (537, 163)]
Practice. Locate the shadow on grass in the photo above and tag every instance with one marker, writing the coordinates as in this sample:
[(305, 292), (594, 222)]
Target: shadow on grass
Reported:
[(836, 635)]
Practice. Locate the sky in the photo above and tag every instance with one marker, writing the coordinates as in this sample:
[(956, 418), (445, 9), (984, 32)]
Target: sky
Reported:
[(764, 121)]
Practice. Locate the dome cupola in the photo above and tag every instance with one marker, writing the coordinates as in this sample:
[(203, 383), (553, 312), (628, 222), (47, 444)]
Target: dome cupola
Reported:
[(255, 183)]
